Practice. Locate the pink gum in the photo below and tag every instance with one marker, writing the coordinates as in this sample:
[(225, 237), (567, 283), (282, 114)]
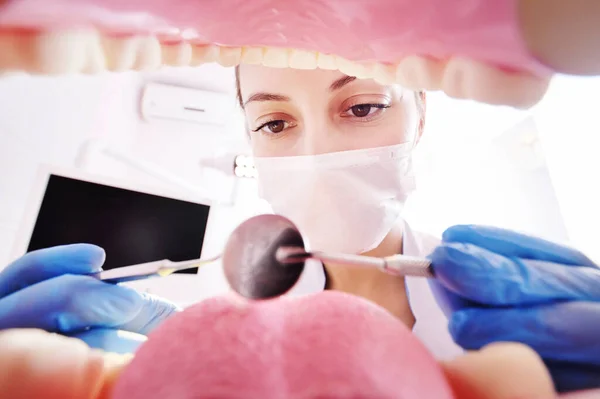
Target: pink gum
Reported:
[(385, 31)]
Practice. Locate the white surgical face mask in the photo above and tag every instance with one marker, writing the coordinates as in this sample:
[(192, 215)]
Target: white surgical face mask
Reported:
[(343, 201)]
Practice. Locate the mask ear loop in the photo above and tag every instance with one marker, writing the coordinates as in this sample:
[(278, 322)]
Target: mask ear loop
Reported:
[(421, 99), (420, 103)]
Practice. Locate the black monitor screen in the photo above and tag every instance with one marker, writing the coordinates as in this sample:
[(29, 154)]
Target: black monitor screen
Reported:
[(132, 227)]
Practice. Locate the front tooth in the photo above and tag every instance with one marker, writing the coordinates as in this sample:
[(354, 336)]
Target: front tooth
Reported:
[(326, 61), (302, 59), (148, 55), (477, 81), (230, 56), (384, 74), (252, 55), (62, 52), (420, 73), (96, 60), (345, 66), (120, 52), (276, 57), (176, 54), (366, 70), (204, 54), (453, 81), (351, 68)]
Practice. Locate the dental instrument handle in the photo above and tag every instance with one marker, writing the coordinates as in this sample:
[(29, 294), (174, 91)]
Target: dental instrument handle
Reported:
[(159, 268), (404, 265), (129, 273)]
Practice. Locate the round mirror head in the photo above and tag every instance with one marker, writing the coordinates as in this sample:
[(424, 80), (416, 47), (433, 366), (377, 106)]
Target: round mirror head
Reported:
[(250, 262)]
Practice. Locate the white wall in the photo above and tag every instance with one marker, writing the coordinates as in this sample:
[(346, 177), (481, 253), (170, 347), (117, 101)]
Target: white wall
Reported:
[(534, 171), (47, 120), (569, 125), (481, 164)]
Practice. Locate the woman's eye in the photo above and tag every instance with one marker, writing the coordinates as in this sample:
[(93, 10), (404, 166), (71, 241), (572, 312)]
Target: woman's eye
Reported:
[(364, 110), (361, 110), (273, 127)]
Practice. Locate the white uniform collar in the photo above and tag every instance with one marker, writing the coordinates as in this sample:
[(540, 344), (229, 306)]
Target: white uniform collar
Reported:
[(431, 323)]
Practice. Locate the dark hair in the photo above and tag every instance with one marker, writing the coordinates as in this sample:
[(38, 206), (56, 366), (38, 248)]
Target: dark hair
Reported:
[(238, 89)]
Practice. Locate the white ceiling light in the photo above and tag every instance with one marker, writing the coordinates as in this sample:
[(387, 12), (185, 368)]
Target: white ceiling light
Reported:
[(244, 167), (227, 163)]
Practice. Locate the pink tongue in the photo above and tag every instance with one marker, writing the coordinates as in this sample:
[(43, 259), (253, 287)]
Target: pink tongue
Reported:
[(328, 345)]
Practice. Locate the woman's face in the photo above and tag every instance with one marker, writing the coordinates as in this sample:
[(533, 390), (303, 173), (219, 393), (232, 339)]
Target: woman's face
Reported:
[(293, 112)]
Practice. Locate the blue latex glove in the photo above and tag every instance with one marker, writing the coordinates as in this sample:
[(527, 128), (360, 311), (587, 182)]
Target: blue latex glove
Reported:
[(49, 289), (497, 285)]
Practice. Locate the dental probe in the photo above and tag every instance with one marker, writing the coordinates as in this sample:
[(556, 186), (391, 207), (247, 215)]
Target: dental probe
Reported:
[(401, 265), (159, 268)]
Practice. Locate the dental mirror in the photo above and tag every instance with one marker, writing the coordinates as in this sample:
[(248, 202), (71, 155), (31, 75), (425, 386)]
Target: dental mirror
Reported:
[(250, 260)]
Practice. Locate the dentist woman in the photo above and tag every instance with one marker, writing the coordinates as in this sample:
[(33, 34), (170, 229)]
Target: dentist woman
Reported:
[(333, 154)]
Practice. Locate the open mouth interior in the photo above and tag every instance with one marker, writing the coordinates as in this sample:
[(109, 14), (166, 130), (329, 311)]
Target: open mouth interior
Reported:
[(472, 52)]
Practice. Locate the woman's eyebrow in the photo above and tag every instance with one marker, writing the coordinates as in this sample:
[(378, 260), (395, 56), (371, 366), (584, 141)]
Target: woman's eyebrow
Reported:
[(262, 96), (266, 97), (341, 82)]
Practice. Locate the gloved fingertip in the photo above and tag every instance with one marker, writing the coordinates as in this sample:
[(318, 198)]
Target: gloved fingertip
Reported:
[(90, 254), (457, 232), (73, 258), (439, 259), (481, 234), (447, 256), (437, 254), (458, 323), (82, 253), (47, 263)]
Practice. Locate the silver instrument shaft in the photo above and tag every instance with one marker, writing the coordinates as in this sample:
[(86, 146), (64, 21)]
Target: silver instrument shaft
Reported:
[(402, 265)]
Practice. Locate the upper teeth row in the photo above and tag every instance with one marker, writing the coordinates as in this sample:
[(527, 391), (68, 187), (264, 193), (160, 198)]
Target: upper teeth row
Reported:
[(90, 52)]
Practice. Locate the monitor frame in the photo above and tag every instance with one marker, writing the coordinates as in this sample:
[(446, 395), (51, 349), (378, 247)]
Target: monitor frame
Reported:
[(40, 184)]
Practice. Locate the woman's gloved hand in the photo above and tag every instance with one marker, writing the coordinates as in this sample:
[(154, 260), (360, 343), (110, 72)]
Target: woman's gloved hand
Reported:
[(51, 289), (498, 285)]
